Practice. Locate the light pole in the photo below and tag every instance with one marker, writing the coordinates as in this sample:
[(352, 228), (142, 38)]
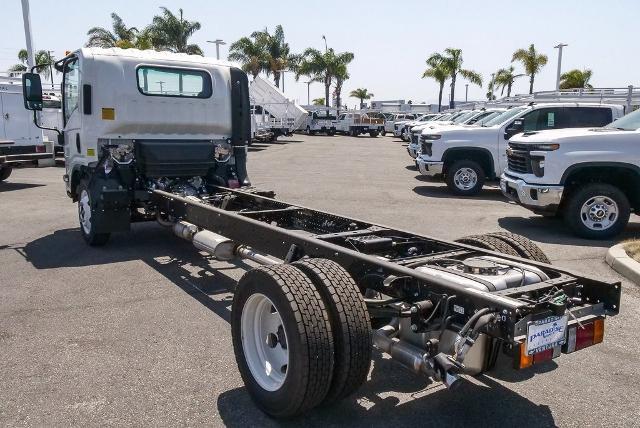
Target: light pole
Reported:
[(559, 46), (466, 92), (282, 77), (325, 42), (217, 42), (26, 18), (50, 69), (308, 97)]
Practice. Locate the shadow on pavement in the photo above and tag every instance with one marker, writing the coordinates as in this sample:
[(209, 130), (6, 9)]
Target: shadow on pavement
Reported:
[(483, 403), (10, 187), (443, 192), (554, 231)]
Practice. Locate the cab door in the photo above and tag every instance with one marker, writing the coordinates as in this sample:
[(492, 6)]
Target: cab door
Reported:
[(74, 152)]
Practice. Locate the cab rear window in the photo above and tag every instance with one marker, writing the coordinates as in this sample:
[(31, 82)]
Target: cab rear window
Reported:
[(174, 82)]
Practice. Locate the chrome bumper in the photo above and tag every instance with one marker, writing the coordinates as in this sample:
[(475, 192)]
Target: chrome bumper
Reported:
[(429, 168), (413, 150), (538, 198)]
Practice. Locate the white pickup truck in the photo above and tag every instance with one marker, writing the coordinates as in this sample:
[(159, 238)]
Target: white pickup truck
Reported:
[(474, 117), (389, 124), (401, 128), (589, 176), (468, 155), (321, 120)]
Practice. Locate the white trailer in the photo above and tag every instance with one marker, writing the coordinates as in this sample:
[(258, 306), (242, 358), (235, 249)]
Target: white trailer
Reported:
[(22, 143), (279, 115)]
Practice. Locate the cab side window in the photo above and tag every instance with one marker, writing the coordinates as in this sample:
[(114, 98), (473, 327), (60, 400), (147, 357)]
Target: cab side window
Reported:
[(545, 118), (71, 88), (585, 117)]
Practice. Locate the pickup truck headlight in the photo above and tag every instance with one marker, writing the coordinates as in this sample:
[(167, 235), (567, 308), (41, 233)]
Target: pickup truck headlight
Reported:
[(544, 147), (431, 137)]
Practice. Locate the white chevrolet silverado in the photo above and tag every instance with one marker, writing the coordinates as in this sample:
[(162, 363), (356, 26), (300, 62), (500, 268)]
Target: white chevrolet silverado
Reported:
[(468, 155), (589, 176)]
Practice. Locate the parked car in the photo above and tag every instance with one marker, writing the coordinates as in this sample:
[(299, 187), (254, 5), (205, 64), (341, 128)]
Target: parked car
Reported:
[(355, 124), (390, 122), (466, 156), (401, 129), (591, 176), (475, 117)]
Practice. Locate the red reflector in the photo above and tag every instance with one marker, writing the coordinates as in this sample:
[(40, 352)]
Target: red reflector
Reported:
[(584, 336), (233, 183), (41, 149), (543, 356)]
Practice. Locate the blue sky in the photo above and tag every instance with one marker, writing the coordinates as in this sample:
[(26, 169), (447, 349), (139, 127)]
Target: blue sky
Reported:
[(390, 39)]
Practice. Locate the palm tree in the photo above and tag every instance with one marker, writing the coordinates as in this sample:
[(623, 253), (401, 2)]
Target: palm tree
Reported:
[(576, 79), (491, 87), (277, 56), (121, 36), (362, 94), (324, 67), (532, 62), (42, 57), (318, 101), (341, 74), (437, 71), (249, 54), (452, 61), (172, 33), (505, 78)]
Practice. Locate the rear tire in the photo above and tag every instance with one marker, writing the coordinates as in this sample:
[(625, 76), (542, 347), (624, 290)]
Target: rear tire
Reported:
[(350, 324), (488, 243), (373, 134), (354, 133), (524, 246), (597, 211), (86, 220), (383, 132), (294, 310), (5, 172), (465, 177)]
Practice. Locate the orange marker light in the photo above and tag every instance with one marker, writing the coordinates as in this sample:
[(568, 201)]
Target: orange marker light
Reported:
[(598, 330), (525, 360)]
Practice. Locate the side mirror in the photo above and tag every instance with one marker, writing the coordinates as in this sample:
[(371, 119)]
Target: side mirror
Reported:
[(32, 91), (516, 127)]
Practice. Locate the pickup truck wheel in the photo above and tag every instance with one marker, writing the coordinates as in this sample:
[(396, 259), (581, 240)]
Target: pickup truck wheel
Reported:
[(331, 132), (5, 172), (282, 340), (350, 324), (524, 246), (488, 243), (597, 211), (87, 222), (354, 133), (383, 132), (373, 134), (465, 177)]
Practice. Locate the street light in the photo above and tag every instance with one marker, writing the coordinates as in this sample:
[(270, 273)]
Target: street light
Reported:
[(466, 92), (559, 46), (217, 42), (282, 77), (308, 84), (325, 42)]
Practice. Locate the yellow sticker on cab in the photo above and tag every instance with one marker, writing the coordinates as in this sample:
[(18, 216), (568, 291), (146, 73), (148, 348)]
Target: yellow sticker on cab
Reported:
[(108, 113)]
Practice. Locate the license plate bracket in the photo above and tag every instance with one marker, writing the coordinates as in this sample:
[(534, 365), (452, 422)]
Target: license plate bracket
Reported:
[(546, 333)]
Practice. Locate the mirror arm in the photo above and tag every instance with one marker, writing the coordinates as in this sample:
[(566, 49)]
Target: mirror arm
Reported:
[(35, 121)]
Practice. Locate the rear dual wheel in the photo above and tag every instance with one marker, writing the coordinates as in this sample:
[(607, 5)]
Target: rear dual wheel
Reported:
[(301, 335), (5, 172), (507, 243)]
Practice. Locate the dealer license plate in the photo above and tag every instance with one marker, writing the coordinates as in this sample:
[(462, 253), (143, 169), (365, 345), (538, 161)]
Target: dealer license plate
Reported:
[(546, 333)]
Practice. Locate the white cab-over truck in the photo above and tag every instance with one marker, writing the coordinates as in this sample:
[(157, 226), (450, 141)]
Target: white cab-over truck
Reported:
[(590, 177), (301, 322), (468, 155)]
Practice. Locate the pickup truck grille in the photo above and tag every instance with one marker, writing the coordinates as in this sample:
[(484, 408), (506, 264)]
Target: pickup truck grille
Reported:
[(415, 138), (518, 159)]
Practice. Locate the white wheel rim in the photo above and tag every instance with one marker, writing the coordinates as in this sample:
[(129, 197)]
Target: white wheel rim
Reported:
[(84, 212), (264, 342), (465, 178), (599, 213)]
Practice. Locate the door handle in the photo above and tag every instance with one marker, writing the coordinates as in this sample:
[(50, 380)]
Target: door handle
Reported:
[(6, 116)]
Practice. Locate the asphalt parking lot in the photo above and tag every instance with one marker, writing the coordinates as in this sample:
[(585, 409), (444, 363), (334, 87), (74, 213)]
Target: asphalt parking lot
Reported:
[(137, 333)]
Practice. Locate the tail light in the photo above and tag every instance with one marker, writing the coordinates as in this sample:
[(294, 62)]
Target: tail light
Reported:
[(580, 336), (522, 360), (41, 149)]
